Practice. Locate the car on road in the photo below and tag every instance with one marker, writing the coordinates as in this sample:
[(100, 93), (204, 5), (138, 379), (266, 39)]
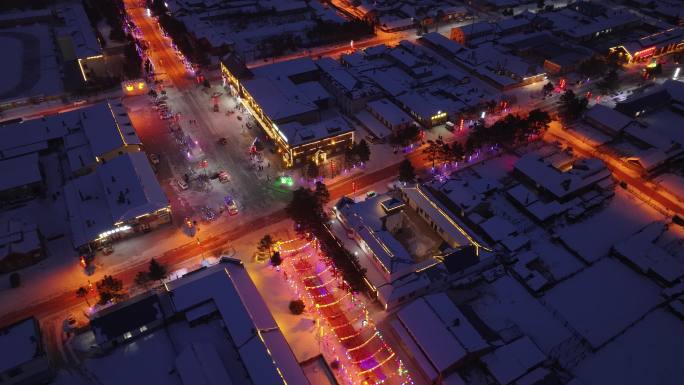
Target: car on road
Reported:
[(231, 205), (182, 184), (223, 176), (154, 158)]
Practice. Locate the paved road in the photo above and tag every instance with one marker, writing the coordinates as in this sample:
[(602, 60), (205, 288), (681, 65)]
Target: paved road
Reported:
[(619, 170)]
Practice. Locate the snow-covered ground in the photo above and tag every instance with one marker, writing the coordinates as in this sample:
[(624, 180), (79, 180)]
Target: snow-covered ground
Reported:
[(593, 237), (555, 258), (648, 353), (601, 301)]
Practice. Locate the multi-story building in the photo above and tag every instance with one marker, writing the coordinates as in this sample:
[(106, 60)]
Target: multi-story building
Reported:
[(289, 103)]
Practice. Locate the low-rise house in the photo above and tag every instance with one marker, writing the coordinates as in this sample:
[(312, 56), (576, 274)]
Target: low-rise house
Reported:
[(124, 321), (22, 178), (438, 335), (607, 119), (23, 359), (652, 251), (563, 182), (21, 244), (122, 197), (389, 114), (514, 360)]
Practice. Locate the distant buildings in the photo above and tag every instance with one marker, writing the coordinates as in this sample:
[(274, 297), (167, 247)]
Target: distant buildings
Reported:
[(652, 45), (398, 15), (23, 359), (249, 27), (495, 64)]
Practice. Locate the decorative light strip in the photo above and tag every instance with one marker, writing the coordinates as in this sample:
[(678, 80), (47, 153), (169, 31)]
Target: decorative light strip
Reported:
[(365, 343), (377, 366)]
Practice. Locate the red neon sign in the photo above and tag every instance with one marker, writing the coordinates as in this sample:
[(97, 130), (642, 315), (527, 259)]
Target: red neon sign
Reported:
[(645, 52)]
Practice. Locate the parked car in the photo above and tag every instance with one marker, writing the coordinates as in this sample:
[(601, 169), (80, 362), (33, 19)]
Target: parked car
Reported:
[(182, 184), (231, 205), (223, 176), (154, 158)]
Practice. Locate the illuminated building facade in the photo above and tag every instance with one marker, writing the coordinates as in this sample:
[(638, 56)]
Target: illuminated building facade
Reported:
[(654, 45), (109, 188), (277, 97)]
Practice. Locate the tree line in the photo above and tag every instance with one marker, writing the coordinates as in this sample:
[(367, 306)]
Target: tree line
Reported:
[(307, 210)]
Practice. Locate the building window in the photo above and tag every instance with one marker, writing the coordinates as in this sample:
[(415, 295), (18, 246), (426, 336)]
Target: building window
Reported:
[(127, 335)]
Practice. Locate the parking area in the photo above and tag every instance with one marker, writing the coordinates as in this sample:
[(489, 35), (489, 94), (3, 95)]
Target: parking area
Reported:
[(209, 155)]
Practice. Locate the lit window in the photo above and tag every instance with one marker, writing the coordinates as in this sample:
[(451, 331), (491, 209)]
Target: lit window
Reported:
[(127, 335), (143, 329)]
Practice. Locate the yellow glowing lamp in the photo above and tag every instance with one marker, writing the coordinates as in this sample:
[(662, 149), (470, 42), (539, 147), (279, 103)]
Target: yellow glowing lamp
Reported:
[(141, 85), (129, 88)]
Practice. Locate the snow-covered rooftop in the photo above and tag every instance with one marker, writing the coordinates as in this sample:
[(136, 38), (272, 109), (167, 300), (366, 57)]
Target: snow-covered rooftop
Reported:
[(17, 236), (253, 331), (603, 300), (121, 189), (94, 131), (33, 68), (21, 343), (441, 330), (643, 251), (389, 112), (562, 184), (199, 364), (19, 171), (437, 214), (297, 134), (512, 361), (76, 27), (608, 118)]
